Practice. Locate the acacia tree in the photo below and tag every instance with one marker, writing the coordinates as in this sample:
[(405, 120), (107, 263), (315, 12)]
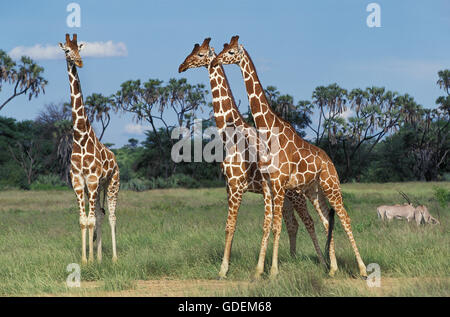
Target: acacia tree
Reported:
[(284, 106), (330, 101), (150, 101), (24, 147), (98, 108), (26, 77), (57, 122), (372, 114)]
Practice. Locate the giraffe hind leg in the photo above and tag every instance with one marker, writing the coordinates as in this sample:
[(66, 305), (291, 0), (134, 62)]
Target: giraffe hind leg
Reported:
[(99, 215), (112, 194), (299, 203), (335, 199), (317, 198), (291, 225)]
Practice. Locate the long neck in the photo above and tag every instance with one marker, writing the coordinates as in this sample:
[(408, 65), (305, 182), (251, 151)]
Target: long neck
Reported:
[(263, 114), (226, 112), (79, 119)]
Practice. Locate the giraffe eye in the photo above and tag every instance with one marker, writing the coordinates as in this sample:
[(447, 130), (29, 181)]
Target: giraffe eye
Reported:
[(201, 55), (231, 52)]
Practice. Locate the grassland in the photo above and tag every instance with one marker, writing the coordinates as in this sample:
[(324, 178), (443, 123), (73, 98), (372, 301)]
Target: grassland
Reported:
[(170, 242)]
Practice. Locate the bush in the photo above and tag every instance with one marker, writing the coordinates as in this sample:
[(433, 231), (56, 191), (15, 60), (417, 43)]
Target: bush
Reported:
[(136, 184), (442, 195), (48, 182)]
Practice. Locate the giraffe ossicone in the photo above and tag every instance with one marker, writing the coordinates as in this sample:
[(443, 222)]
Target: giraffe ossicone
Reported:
[(93, 166)]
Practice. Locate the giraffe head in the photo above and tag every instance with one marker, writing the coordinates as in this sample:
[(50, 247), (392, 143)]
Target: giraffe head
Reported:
[(72, 50), (201, 55), (232, 53)]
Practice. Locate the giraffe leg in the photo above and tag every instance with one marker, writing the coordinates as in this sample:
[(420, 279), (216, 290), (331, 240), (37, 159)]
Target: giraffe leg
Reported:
[(317, 198), (266, 228), (335, 198), (278, 200), (99, 215), (291, 225), (78, 186), (93, 197), (112, 193), (234, 201), (299, 203)]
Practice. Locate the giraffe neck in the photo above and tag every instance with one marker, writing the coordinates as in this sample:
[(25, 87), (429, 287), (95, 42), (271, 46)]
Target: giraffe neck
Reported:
[(226, 112), (263, 114), (79, 118)]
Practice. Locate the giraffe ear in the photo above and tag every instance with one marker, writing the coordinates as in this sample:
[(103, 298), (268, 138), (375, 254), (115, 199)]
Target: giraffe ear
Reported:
[(80, 47), (211, 52), (241, 48), (62, 46)]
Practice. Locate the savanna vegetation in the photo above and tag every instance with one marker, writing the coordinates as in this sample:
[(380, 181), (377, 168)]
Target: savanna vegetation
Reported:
[(177, 236)]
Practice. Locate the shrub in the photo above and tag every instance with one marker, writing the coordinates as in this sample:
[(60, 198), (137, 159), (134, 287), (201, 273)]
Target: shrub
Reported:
[(136, 184), (48, 182), (442, 195)]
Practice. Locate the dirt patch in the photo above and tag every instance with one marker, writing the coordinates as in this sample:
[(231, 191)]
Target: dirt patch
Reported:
[(166, 287), (160, 288)]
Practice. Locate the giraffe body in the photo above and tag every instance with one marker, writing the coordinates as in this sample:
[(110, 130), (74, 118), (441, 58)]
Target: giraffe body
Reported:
[(93, 165), (240, 170), (293, 163)]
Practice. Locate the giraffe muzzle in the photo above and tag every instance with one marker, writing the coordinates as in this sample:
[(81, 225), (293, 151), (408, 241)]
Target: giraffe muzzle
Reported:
[(182, 68)]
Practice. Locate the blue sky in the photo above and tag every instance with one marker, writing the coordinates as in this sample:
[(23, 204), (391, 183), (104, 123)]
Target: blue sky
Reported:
[(296, 46)]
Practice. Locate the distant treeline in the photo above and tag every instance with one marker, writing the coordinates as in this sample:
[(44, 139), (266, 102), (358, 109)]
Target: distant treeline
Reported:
[(372, 134)]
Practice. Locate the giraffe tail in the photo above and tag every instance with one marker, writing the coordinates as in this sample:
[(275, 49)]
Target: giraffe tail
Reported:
[(331, 214)]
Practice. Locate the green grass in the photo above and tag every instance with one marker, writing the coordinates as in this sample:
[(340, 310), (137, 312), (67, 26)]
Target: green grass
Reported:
[(179, 234)]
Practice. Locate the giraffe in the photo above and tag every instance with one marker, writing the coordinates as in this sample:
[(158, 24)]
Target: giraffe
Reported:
[(294, 163), (93, 165), (242, 174)]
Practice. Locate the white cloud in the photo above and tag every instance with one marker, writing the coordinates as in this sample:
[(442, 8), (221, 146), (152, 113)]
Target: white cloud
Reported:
[(136, 129), (91, 49), (104, 49), (347, 113)]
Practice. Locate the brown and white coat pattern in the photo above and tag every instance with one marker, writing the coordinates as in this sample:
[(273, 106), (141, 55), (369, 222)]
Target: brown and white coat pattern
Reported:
[(241, 173), (93, 165), (300, 165)]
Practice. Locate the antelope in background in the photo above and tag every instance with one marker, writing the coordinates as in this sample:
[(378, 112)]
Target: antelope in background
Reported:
[(420, 213)]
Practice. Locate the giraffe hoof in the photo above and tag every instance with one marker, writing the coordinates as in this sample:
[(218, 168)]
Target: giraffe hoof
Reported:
[(273, 275), (84, 261), (256, 278), (114, 259)]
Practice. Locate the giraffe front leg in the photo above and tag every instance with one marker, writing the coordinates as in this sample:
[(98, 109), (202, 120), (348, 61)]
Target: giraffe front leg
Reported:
[(266, 229), (78, 186), (234, 201), (112, 194), (278, 200), (92, 185)]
